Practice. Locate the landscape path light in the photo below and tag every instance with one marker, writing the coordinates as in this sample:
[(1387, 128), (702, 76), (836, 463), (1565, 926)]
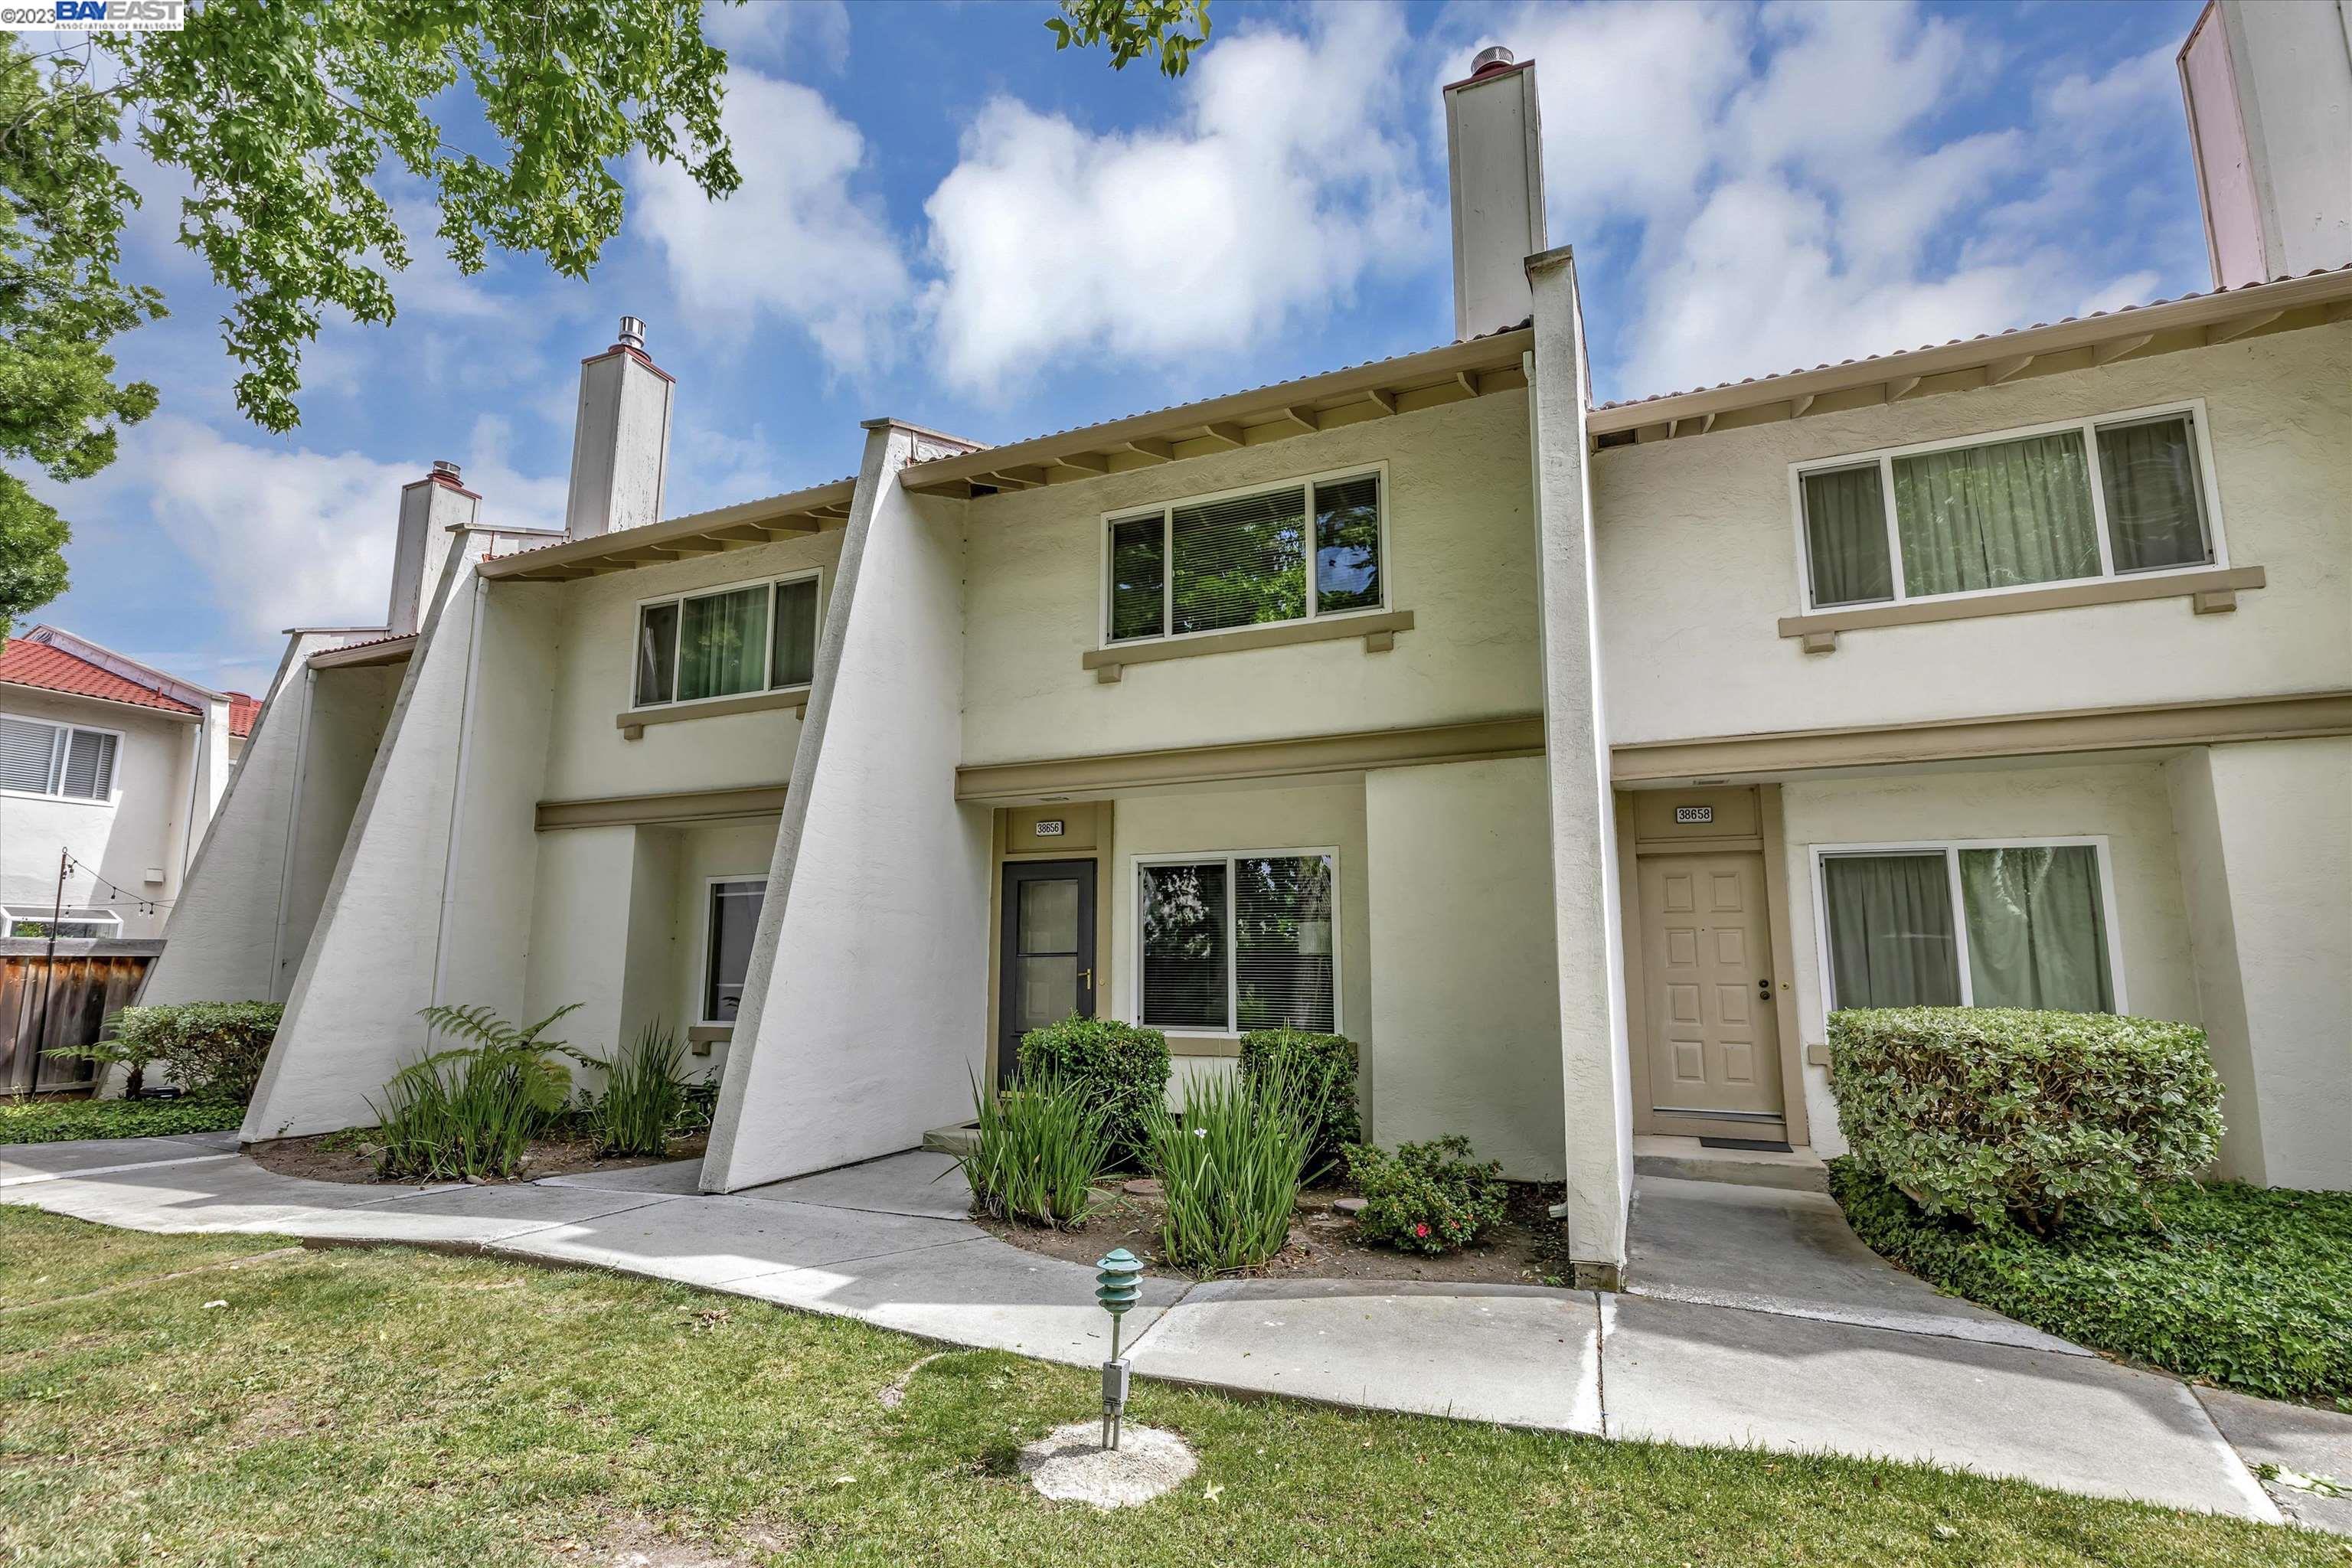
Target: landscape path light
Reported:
[(1117, 1286)]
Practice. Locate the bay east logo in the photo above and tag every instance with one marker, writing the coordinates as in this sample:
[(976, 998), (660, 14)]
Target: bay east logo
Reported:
[(95, 16)]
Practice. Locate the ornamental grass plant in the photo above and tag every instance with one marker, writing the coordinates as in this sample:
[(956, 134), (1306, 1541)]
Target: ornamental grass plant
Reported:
[(1043, 1140), (1229, 1167)]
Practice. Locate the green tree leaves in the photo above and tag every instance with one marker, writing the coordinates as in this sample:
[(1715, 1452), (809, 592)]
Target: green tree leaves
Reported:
[(1133, 28)]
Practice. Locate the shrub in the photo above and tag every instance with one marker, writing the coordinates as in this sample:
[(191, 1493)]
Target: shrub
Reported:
[(1229, 1169), (1326, 1065), (1041, 1145), (60, 1121), (469, 1112), (1426, 1197), (112, 1048), (643, 1095), (214, 1048), (1117, 1066), (1993, 1113), (2244, 1286)]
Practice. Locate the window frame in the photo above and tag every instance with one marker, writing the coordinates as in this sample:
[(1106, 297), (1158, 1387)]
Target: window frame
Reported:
[(710, 885), (678, 634), (1133, 989), (1950, 849), (1167, 509), (59, 752), (2209, 493), (75, 914)]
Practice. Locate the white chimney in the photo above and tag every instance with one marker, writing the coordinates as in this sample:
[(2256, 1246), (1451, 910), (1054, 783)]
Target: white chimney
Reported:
[(2269, 90), (620, 448), (1494, 145), (429, 508)]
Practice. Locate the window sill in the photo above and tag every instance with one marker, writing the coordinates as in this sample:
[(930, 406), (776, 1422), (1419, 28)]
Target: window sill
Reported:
[(632, 723), (56, 799), (2215, 589), (1378, 629)]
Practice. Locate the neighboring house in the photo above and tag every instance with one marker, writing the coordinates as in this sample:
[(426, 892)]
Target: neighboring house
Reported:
[(1574, 760)]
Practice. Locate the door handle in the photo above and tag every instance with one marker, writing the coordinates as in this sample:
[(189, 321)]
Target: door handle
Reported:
[(1764, 989), (1086, 979)]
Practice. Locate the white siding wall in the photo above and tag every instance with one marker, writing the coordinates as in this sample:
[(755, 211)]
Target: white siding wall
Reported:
[(144, 825)]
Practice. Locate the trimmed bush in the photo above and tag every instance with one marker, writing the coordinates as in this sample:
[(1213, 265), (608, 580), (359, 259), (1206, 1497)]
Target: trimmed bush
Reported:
[(1117, 1066), (1426, 1197), (214, 1049), (2244, 1286), (1229, 1168), (1326, 1067), (1995, 1112), (1041, 1145)]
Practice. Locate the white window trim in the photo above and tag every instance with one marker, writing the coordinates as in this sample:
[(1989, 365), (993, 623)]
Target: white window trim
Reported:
[(113, 795), (1950, 849), (1168, 557), (80, 915), (710, 885), (1133, 990), (1883, 457), (767, 658)]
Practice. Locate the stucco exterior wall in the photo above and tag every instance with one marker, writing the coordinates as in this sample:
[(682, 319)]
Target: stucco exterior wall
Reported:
[(578, 934), (596, 640), (1698, 560), (2126, 802), (142, 825), (2265, 833), (735, 850), (1314, 816), (347, 713), (1466, 1018), (1460, 555)]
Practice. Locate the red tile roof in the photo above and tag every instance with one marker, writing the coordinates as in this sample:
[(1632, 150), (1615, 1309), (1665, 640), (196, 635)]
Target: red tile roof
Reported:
[(244, 708), (51, 669)]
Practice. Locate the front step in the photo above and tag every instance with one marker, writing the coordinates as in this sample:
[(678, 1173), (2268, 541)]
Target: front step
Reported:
[(1800, 1170), (958, 1140)]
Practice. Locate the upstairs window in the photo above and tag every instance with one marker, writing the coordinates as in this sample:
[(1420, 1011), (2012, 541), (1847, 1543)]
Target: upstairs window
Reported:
[(728, 643), (1289, 552), (2090, 499), (76, 925), (60, 760)]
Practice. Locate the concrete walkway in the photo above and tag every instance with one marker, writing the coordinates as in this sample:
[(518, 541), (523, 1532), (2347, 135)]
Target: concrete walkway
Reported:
[(1787, 1339)]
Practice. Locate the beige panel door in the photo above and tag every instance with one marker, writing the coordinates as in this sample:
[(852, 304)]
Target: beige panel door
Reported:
[(1706, 958)]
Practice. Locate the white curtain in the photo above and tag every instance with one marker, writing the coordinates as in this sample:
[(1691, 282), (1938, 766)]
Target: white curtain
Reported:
[(1996, 516), (2037, 928)]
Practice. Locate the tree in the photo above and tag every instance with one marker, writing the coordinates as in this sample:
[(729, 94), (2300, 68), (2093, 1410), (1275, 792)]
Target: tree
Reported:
[(1133, 28), (285, 115)]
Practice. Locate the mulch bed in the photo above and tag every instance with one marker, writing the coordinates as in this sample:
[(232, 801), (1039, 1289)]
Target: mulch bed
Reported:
[(350, 1157), (1528, 1249)]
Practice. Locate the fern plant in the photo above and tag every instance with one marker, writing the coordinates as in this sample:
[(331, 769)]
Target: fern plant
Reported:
[(469, 1112), (643, 1094)]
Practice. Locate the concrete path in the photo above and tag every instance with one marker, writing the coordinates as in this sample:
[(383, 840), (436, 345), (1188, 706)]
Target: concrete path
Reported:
[(1796, 1343)]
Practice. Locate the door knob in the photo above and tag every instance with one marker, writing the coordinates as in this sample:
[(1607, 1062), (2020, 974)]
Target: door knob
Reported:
[(1764, 989)]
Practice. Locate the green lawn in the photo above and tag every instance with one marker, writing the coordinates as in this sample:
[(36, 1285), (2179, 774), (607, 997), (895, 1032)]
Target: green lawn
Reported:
[(2249, 1287), (60, 1121), (392, 1407)]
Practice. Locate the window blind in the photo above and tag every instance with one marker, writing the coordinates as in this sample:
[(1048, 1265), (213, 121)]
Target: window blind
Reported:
[(90, 765), (1138, 576), (795, 658), (1347, 544), (1282, 944), (1240, 562), (1185, 947), (27, 752)]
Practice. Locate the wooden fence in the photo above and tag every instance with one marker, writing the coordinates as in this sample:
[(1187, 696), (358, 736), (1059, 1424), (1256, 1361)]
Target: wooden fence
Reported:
[(47, 1003)]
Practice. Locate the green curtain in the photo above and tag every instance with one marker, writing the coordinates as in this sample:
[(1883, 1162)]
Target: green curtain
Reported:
[(2037, 932), (1891, 943), (723, 644), (2148, 471), (795, 660), (1845, 537), (1996, 516)]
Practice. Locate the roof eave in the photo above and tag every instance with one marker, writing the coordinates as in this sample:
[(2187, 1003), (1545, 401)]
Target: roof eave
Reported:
[(736, 527)]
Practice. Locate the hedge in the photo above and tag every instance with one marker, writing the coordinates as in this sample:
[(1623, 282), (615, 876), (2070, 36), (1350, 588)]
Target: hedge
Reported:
[(1996, 1113), (214, 1048), (1115, 1065), (67, 1120), (1325, 1064)]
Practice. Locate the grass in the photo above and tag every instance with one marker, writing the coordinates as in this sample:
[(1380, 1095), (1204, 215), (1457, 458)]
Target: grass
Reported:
[(2246, 1287), (58, 1121), (385, 1407)]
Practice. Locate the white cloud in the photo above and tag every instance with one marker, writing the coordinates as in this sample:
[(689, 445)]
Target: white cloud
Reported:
[(794, 242), (772, 34), (1282, 183)]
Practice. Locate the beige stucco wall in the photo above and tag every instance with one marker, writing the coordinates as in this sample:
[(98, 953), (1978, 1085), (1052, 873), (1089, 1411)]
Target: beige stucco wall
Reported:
[(1466, 1018), (142, 825), (2127, 803), (735, 850), (1461, 558), (596, 639), (1698, 560)]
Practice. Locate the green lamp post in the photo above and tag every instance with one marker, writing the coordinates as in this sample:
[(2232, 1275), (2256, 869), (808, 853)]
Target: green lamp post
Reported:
[(1117, 1286)]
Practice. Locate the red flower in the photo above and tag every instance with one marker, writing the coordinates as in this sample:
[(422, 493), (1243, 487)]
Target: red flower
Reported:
[(1422, 1229)]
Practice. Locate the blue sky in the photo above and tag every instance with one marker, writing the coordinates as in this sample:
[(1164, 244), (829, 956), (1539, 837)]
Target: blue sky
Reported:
[(945, 220)]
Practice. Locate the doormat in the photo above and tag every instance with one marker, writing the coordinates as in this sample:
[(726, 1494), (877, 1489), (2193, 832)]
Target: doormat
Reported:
[(1761, 1145)]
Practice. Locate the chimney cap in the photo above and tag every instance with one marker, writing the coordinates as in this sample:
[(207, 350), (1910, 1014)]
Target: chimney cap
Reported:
[(633, 333), (1493, 58), (444, 468)]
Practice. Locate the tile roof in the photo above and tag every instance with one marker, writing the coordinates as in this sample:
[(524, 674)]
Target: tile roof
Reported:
[(47, 668), (244, 708), (1980, 338)]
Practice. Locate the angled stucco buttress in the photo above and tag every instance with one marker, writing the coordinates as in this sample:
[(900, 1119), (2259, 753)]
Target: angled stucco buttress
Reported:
[(2264, 830), (870, 965), (431, 896), (1595, 1071)]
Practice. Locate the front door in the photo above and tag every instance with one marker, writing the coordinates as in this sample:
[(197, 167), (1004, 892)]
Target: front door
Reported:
[(1706, 959), (1048, 961)]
